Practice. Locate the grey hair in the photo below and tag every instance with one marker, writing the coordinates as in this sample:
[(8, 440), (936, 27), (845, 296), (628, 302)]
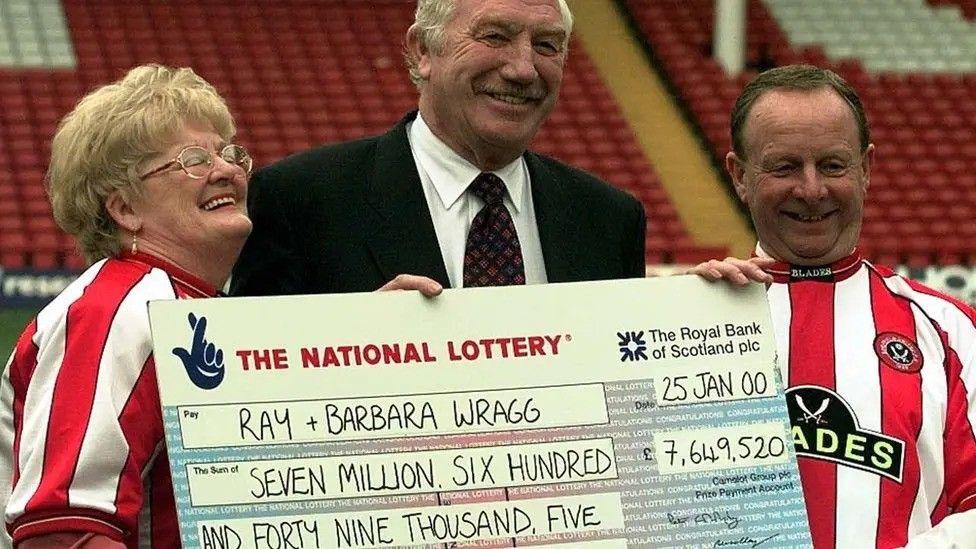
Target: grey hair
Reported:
[(432, 16)]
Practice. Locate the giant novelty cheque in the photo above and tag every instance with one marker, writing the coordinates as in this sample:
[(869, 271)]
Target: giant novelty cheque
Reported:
[(640, 413)]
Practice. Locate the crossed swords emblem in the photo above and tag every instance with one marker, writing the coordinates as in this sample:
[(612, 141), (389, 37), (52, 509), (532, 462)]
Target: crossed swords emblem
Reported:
[(814, 417), (900, 352)]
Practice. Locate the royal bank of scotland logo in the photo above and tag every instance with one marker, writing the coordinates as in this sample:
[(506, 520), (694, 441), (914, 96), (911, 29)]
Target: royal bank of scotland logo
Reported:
[(632, 346), (203, 361)]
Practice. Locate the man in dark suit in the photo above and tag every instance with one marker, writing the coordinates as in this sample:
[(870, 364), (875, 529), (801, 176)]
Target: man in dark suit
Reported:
[(450, 194)]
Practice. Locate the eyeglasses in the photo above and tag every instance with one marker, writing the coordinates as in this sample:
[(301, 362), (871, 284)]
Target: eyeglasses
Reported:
[(198, 162)]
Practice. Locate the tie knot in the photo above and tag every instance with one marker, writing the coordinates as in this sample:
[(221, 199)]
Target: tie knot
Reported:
[(488, 187)]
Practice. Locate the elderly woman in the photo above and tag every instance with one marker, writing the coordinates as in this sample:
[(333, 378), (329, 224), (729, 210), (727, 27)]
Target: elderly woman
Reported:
[(144, 174)]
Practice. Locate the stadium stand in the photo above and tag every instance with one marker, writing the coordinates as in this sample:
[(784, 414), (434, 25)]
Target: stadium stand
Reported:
[(923, 187), (33, 33), (885, 35), (295, 73), (967, 7)]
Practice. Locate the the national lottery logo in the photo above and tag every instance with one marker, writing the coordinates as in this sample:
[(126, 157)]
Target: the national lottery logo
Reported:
[(203, 361), (632, 345)]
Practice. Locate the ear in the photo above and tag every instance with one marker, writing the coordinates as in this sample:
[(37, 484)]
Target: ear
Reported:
[(121, 211), (737, 170), (418, 52), (866, 160)]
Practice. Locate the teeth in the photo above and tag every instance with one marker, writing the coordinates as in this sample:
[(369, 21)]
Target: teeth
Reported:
[(218, 202), (511, 99), (807, 218)]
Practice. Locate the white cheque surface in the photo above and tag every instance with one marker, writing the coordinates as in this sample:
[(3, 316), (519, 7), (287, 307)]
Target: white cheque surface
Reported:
[(643, 413)]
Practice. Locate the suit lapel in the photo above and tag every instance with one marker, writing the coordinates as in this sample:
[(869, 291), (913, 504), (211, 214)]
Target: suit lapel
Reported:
[(402, 238), (559, 236)]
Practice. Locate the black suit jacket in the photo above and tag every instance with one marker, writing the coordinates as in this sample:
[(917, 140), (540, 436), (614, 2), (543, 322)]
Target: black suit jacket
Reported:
[(349, 217)]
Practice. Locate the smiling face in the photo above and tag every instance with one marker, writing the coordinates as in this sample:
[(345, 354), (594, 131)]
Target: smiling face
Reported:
[(495, 79), (190, 220), (804, 177)]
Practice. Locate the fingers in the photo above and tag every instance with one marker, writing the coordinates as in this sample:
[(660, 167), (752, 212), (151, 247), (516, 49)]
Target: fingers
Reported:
[(426, 286), (209, 353), (753, 268), (198, 332), (182, 354), (739, 272)]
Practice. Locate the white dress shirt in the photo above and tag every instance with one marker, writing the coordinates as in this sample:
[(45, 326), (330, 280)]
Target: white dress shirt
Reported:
[(445, 177)]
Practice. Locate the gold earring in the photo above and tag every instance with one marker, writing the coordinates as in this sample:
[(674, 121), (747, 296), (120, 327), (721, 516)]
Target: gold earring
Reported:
[(135, 243)]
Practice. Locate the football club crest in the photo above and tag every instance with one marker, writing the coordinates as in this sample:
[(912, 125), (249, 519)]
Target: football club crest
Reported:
[(898, 352)]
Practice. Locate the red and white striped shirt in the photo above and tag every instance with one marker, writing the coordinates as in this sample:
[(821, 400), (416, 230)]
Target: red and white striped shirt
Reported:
[(81, 430), (881, 377)]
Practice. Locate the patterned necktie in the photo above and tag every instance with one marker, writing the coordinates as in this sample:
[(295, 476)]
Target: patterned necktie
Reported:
[(492, 256)]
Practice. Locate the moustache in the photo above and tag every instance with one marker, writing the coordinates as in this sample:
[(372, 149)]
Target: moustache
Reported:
[(531, 93)]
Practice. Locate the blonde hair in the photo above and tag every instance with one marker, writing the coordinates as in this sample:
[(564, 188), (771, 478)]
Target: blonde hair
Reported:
[(101, 145), (433, 15)]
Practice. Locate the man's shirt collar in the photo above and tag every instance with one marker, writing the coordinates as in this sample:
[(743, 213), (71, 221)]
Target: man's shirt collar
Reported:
[(834, 272), (450, 173)]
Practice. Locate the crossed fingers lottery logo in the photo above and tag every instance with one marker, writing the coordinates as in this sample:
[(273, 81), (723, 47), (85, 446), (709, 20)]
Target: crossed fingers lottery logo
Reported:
[(203, 361)]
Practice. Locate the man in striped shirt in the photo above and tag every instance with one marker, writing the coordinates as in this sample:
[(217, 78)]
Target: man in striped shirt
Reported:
[(880, 370)]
